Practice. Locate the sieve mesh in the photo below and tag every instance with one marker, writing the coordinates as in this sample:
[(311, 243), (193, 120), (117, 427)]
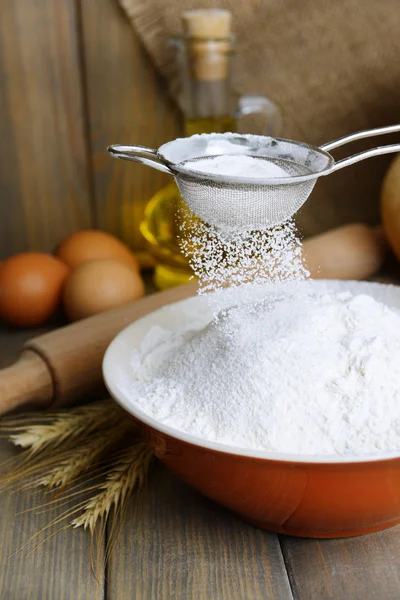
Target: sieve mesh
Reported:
[(245, 205)]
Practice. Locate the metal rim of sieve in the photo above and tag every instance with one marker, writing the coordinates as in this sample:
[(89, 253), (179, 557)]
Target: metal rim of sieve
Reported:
[(170, 156), (183, 167)]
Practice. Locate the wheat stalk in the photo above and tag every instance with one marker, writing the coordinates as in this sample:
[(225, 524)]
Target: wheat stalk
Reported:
[(92, 449), (83, 460), (129, 472), (66, 427), (74, 443)]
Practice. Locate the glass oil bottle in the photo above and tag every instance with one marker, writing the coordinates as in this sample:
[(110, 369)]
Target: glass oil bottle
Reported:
[(204, 52)]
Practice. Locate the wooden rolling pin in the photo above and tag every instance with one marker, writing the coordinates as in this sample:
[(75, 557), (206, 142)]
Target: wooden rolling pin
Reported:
[(62, 366), (353, 251), (57, 368)]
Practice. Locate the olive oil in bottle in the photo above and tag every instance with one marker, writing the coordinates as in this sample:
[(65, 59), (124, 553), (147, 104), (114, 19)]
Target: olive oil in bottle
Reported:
[(224, 124)]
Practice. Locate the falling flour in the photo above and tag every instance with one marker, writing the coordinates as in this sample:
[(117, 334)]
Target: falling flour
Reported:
[(306, 371), (223, 257), (220, 260)]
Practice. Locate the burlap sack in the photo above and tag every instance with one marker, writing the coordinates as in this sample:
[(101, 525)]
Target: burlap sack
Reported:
[(334, 67)]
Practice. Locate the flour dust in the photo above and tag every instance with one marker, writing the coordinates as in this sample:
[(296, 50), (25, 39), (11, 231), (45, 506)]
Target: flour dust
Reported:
[(225, 258)]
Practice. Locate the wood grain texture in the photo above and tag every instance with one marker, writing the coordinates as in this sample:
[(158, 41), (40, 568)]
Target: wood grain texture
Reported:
[(60, 568), (182, 546), (127, 104), (44, 190), (360, 568)]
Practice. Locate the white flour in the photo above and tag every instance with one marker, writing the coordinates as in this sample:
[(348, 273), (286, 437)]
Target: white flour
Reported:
[(300, 371), (239, 165), (316, 372)]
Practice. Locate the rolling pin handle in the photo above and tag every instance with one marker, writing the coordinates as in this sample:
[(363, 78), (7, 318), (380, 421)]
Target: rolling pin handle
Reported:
[(28, 382)]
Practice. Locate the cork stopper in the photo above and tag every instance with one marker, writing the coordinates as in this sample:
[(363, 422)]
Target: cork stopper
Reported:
[(208, 32), (211, 24)]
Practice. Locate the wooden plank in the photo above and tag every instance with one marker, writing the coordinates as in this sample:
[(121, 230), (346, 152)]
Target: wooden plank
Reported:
[(60, 568), (127, 104), (359, 568), (44, 189), (182, 546)]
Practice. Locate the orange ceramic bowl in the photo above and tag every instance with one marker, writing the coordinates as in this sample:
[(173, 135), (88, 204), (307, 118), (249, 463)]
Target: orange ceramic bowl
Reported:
[(302, 495)]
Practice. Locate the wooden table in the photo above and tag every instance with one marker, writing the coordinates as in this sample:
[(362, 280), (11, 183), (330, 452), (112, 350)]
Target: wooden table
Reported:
[(185, 547)]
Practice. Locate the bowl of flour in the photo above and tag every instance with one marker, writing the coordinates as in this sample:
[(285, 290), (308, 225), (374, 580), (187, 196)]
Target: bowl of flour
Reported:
[(283, 405)]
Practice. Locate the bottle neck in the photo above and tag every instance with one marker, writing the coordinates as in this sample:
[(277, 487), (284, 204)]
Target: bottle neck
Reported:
[(205, 70)]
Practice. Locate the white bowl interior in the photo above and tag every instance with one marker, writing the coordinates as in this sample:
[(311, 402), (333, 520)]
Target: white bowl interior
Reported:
[(117, 370)]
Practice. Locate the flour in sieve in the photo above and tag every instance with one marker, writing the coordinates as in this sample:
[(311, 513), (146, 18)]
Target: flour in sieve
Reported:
[(306, 372), (239, 165)]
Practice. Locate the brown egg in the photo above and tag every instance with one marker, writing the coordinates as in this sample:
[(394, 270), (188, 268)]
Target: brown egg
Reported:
[(99, 285), (30, 288), (92, 244)]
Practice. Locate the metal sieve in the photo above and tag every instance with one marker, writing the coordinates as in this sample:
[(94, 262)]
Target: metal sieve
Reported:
[(230, 201)]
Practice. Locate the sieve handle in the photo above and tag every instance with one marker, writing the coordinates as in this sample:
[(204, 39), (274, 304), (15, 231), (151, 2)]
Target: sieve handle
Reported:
[(135, 153), (361, 155)]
